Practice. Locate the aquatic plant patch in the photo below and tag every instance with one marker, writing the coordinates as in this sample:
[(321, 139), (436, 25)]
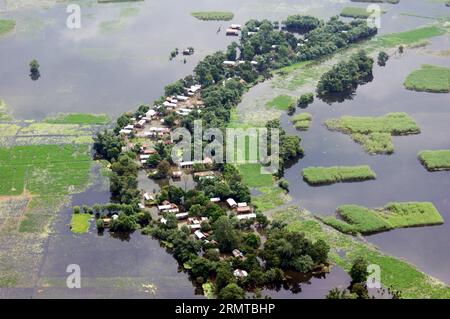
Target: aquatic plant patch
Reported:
[(7, 26), (356, 12), (282, 102), (337, 174), (359, 219), (429, 78), (302, 121), (435, 160), (374, 133), (213, 15)]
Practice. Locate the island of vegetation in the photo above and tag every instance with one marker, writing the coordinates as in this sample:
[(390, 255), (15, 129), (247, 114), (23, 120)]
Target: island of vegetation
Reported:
[(79, 118), (213, 15), (7, 26), (347, 75), (337, 174), (356, 12), (302, 121), (435, 160), (359, 219), (375, 133), (429, 78)]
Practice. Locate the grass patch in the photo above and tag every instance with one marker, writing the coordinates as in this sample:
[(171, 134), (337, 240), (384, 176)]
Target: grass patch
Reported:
[(302, 121), (401, 275), (252, 176), (435, 160), (80, 223), (213, 15), (358, 219), (44, 169), (270, 198), (429, 78), (374, 133), (337, 174), (79, 118), (282, 102), (356, 12), (7, 26)]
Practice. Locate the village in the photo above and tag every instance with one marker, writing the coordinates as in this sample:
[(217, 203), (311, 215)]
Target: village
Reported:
[(150, 129)]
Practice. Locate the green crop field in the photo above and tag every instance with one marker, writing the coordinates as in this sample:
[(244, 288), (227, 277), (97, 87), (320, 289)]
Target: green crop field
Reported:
[(302, 121), (213, 15), (359, 219), (374, 133), (336, 174), (429, 78), (44, 169), (79, 118), (435, 160)]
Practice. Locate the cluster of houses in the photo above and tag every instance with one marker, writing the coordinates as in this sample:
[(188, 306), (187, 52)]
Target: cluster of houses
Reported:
[(233, 64)]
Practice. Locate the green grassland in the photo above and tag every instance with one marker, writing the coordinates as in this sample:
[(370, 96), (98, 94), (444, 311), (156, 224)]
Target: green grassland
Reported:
[(281, 102), (79, 118), (302, 121), (401, 275), (252, 176), (270, 198), (7, 26), (213, 15), (374, 133), (337, 174), (44, 169), (435, 160), (356, 12), (429, 78), (358, 219), (80, 223)]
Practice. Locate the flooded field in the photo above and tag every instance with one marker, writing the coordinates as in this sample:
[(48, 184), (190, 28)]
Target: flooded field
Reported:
[(120, 59)]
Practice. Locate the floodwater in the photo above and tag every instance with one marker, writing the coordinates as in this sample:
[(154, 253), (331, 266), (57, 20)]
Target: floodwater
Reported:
[(120, 59)]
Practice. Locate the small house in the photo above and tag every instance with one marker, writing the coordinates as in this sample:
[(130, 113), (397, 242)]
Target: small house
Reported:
[(246, 216), (199, 234), (232, 32), (237, 253), (181, 216), (232, 203), (244, 210), (215, 200)]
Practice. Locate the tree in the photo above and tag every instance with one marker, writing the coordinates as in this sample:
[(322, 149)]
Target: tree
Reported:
[(232, 291), (212, 254), (302, 23), (224, 276), (34, 70), (284, 184), (225, 234), (305, 100), (123, 224), (358, 272), (383, 57), (336, 293), (163, 169), (319, 251), (252, 240), (107, 145)]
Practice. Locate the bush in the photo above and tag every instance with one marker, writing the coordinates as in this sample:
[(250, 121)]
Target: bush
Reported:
[(305, 99), (76, 210)]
